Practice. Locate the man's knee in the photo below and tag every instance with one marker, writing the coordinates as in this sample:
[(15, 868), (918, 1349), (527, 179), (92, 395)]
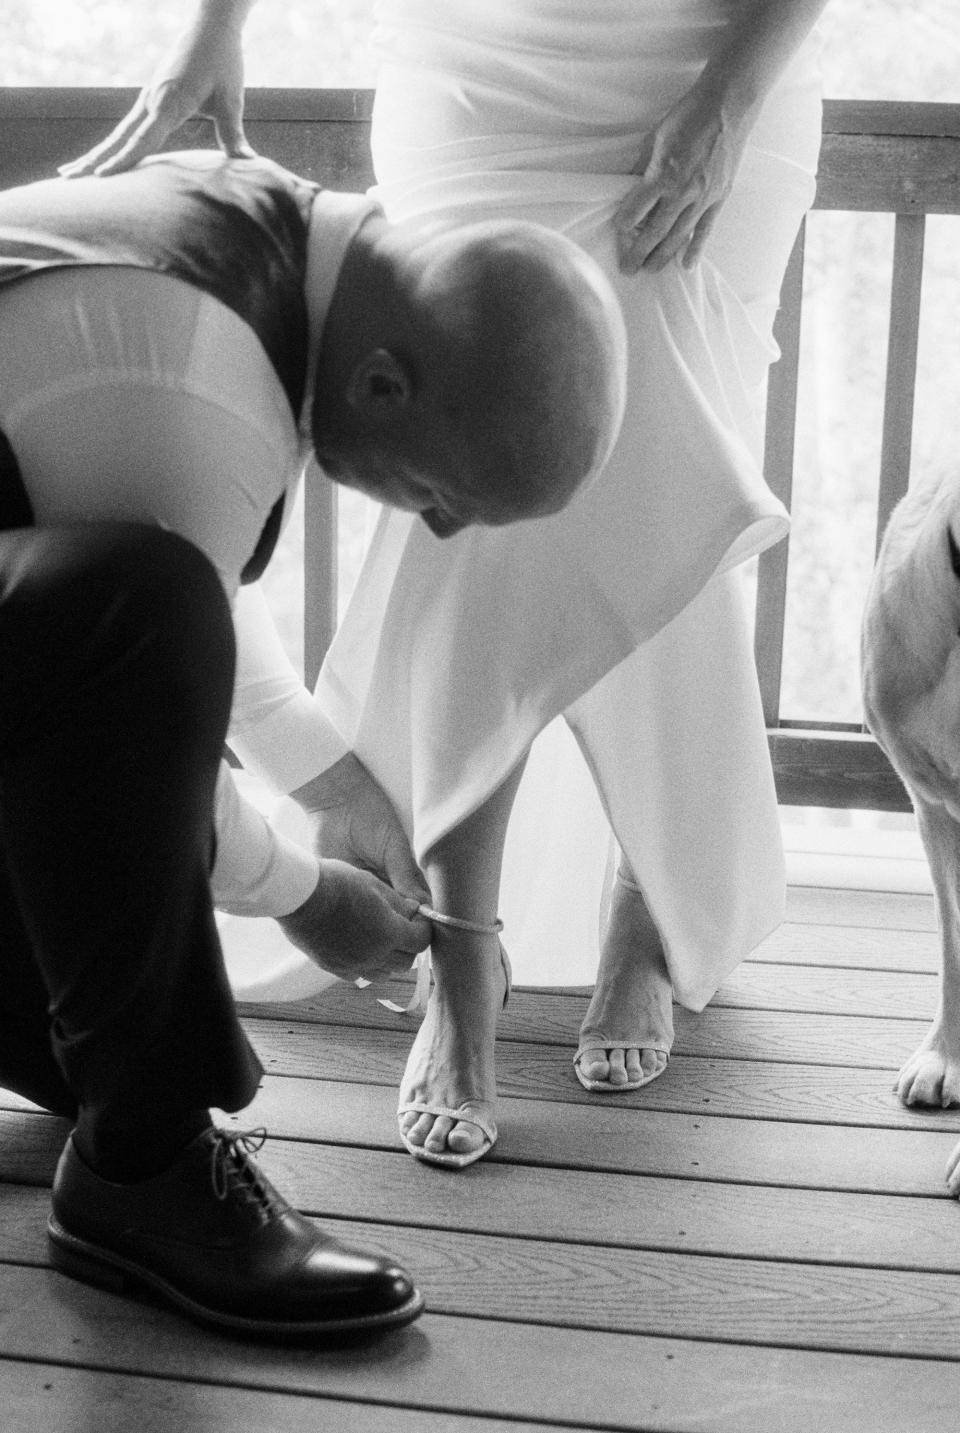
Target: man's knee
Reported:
[(118, 597), (164, 582), (49, 565), (169, 600)]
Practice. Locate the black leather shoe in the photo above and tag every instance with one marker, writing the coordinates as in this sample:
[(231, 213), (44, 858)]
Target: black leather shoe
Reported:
[(213, 1237)]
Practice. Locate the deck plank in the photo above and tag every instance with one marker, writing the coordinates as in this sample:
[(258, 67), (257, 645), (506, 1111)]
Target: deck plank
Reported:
[(624, 1211), (717, 1033), (580, 1378), (867, 910), (753, 1089), (890, 994), (848, 946), (40, 1397), (612, 1138), (637, 1291), (551, 1016), (613, 1289), (620, 1210)]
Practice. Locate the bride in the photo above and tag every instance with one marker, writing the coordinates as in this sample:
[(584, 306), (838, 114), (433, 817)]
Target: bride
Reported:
[(678, 143)]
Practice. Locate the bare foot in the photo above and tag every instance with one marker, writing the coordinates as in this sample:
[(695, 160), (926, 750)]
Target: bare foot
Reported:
[(628, 1029), (451, 1064)]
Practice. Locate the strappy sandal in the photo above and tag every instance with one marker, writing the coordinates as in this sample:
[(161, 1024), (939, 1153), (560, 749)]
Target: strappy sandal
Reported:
[(466, 1112), (599, 1040)]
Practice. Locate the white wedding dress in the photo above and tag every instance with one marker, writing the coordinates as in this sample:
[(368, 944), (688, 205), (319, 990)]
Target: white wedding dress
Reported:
[(623, 616)]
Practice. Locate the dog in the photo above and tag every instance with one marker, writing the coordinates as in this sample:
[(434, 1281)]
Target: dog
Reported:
[(910, 667)]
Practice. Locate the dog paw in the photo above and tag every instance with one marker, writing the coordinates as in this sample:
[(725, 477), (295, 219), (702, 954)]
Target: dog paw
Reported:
[(930, 1077)]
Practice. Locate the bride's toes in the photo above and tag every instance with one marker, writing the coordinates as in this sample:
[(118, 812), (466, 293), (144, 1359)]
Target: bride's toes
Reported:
[(650, 1063), (631, 1063), (438, 1140), (465, 1137), (439, 1134), (621, 1066), (594, 1065), (433, 1133), (416, 1127)]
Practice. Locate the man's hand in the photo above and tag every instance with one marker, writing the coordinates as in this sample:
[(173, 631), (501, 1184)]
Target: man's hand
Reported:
[(355, 926), (354, 821), (202, 74)]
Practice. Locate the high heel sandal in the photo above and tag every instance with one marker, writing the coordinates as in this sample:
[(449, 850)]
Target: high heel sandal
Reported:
[(600, 1041), (465, 1113)]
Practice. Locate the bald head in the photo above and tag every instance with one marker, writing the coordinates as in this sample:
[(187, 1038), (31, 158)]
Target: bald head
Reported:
[(525, 344), (474, 374)]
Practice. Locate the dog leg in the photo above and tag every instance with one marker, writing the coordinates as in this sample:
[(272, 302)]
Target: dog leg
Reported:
[(931, 1076)]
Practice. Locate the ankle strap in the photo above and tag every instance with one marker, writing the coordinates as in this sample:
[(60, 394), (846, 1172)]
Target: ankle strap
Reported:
[(438, 918), (417, 1004)]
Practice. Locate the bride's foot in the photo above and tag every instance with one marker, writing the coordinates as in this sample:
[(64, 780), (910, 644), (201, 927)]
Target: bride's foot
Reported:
[(627, 1033), (448, 1093)]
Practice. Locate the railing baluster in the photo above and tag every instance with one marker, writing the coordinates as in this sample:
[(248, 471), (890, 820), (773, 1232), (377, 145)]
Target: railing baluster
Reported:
[(778, 470), (901, 365)]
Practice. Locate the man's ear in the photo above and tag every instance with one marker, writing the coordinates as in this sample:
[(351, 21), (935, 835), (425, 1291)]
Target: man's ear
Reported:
[(380, 385)]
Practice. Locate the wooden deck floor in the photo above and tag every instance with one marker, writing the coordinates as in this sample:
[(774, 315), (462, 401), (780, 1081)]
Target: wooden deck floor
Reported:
[(758, 1243)]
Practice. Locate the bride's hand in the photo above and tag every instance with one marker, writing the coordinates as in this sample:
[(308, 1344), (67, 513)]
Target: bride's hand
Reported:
[(201, 74), (686, 170)]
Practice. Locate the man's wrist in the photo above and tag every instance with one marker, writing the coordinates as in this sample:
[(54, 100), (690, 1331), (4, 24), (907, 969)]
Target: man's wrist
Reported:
[(311, 908)]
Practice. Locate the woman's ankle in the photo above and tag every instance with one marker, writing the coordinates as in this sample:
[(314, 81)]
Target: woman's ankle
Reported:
[(468, 966)]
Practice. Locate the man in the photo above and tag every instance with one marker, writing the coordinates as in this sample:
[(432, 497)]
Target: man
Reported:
[(172, 343)]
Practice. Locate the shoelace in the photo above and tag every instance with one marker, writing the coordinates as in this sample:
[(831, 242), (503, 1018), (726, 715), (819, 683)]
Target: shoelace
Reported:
[(232, 1170)]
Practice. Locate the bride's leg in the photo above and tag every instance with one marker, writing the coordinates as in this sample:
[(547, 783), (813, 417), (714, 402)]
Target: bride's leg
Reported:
[(627, 1033), (451, 1063)]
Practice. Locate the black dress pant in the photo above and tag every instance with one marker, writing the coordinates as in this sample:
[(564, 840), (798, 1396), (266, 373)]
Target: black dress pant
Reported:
[(116, 677)]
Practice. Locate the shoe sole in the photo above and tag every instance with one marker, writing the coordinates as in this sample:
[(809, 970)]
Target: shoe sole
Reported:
[(91, 1264)]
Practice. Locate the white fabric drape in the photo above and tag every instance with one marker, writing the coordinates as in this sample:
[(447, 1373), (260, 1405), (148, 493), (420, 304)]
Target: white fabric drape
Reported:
[(624, 612)]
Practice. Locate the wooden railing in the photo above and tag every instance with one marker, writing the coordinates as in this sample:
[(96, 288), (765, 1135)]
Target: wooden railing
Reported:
[(902, 159)]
